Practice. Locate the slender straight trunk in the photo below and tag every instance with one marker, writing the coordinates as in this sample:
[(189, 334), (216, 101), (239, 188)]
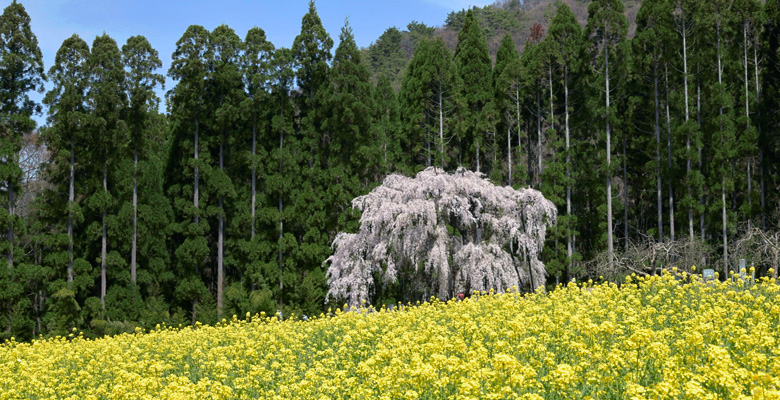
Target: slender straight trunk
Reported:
[(747, 124), (518, 122), (725, 223), (71, 198), (625, 194), (760, 148), (384, 148), (254, 177), (428, 145), (220, 240), (194, 311), (441, 131), (702, 226), (569, 238), (539, 133), (104, 244), (530, 272), (477, 154), (281, 270), (196, 216), (552, 104), (659, 186), (763, 186), (552, 126), (509, 152), (669, 155), (610, 245), (197, 181), (495, 151), (687, 118), (135, 216), (10, 224), (281, 222), (723, 178)]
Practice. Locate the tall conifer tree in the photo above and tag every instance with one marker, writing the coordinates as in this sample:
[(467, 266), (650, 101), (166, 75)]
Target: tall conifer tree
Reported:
[(226, 93), (506, 87), (67, 119), (311, 50), (474, 67), (386, 128), (21, 72), (429, 99), (141, 61), (311, 53), (187, 101), (106, 99), (651, 47), (606, 30), (566, 41), (258, 59), (351, 103)]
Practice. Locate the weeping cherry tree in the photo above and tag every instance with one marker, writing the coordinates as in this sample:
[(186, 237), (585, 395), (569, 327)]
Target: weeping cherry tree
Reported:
[(440, 234)]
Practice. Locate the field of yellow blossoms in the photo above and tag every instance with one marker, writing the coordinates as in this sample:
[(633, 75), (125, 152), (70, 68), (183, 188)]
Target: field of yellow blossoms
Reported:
[(670, 337)]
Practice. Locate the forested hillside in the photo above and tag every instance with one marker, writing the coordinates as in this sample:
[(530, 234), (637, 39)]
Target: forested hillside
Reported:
[(655, 139), (391, 52)]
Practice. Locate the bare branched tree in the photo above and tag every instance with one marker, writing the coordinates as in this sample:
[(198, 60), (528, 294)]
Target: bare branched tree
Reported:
[(31, 158), (648, 256), (758, 246), (442, 233)]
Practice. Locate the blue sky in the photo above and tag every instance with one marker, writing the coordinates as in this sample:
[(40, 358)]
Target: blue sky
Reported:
[(164, 21)]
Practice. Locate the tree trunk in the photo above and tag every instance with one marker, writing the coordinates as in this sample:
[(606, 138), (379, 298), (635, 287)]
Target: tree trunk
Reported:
[(725, 226), (195, 189), (281, 270), (552, 104), (625, 193), (428, 145), (10, 224), (530, 272), (687, 118), (495, 151), (763, 185), (747, 127), (194, 311), (702, 226), (669, 156), (760, 148), (610, 245), (103, 244), (441, 130), (539, 134), (659, 186), (71, 198), (517, 121), (723, 179), (220, 241), (254, 180), (569, 239), (281, 224), (135, 217), (509, 152), (384, 143), (477, 154)]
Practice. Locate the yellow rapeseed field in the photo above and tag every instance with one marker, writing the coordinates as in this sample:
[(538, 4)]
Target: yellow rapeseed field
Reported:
[(669, 337)]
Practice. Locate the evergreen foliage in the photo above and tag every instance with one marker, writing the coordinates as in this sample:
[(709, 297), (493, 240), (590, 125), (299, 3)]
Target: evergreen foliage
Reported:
[(477, 118), (117, 216), (21, 72)]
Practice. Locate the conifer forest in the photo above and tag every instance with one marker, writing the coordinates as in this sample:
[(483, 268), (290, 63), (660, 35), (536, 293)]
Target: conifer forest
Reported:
[(652, 127)]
